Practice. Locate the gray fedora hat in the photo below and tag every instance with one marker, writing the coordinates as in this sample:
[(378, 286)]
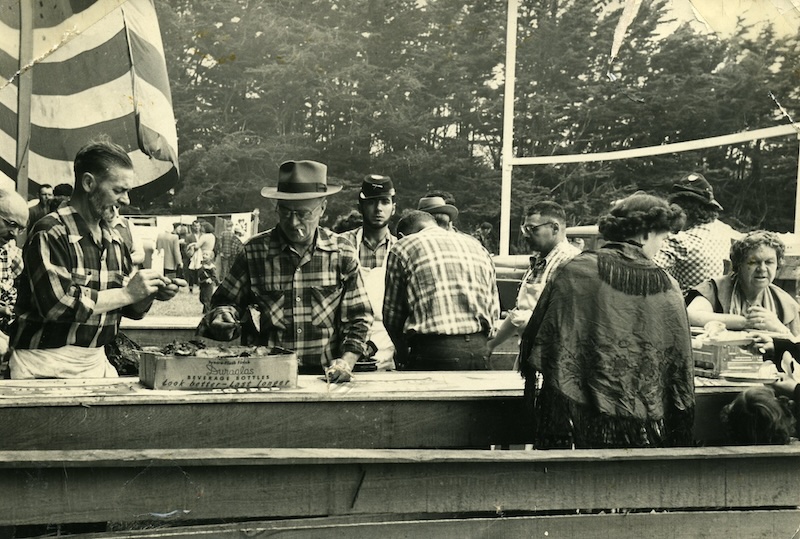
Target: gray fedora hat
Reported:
[(437, 205), (301, 180)]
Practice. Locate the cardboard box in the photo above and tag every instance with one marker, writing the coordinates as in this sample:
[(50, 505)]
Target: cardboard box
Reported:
[(235, 367), (711, 359)]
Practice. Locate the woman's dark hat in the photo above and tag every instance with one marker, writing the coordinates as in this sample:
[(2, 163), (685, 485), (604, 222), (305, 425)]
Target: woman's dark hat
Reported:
[(376, 186), (435, 205), (301, 180), (694, 186)]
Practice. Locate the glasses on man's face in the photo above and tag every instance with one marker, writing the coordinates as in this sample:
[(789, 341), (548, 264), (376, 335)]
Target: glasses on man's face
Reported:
[(529, 230), (12, 225), (302, 214)]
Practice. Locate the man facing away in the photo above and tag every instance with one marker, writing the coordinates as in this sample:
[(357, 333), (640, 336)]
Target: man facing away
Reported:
[(298, 285), (228, 246), (441, 297), (545, 232), (376, 203), (168, 243), (444, 214), (699, 251), (77, 282)]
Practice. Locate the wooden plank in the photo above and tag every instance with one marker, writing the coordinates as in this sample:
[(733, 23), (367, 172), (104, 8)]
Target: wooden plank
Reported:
[(120, 486), (672, 525)]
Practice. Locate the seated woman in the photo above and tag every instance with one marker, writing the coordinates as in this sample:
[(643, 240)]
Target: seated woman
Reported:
[(746, 299), (611, 341)]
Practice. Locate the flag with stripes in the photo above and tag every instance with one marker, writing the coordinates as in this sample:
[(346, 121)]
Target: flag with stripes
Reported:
[(98, 69)]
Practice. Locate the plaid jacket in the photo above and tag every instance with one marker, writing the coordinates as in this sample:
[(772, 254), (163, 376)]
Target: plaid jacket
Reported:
[(369, 256), (315, 305), (58, 288)]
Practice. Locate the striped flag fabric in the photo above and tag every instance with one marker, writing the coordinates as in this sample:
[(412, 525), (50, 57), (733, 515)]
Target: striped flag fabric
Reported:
[(98, 69)]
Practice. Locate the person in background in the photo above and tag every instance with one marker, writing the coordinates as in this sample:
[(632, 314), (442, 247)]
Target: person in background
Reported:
[(745, 298), (347, 222), (699, 251), (43, 207), (441, 297), (298, 285), (78, 280), (607, 355), (445, 214), (228, 246), (13, 219), (483, 233), (61, 195), (127, 231), (207, 279), (763, 415), (190, 247), (168, 243), (545, 231), (372, 240)]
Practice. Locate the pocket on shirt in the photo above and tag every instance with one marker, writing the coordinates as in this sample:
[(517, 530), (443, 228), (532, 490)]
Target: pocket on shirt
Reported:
[(325, 304), (81, 278), (270, 303)]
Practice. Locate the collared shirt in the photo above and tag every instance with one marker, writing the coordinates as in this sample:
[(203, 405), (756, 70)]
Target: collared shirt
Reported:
[(229, 244), (695, 255), (10, 267), (438, 282), (314, 304), (370, 256), (539, 273), (65, 270)]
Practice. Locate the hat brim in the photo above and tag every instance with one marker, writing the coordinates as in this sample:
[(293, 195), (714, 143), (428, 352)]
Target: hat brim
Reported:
[(273, 193), (691, 194), (447, 209)]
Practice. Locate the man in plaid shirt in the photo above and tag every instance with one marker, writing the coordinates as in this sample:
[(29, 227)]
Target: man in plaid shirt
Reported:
[(298, 285), (77, 284), (441, 297)]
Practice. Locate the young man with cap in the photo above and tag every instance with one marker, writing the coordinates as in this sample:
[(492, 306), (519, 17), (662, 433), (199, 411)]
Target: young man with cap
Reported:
[(297, 285), (376, 203), (445, 214), (441, 297), (699, 251)]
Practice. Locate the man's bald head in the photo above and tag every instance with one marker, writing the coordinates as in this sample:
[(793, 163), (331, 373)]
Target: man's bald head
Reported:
[(13, 215)]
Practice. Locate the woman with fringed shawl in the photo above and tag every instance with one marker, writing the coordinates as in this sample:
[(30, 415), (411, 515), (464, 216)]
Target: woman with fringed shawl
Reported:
[(609, 341)]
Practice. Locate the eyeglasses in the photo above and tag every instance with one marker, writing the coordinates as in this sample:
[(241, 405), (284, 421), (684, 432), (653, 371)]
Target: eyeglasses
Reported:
[(528, 230), (302, 215), (13, 225)]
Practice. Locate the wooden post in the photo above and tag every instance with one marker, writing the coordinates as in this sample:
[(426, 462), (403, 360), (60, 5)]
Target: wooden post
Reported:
[(797, 190), (508, 127), (24, 90)]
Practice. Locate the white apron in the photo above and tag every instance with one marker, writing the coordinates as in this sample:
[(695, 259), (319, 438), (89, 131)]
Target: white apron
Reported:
[(375, 284)]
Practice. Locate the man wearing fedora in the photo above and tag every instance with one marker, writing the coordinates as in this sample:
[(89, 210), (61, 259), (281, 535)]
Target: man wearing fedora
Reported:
[(298, 285), (441, 297), (444, 213), (700, 250), (372, 240)]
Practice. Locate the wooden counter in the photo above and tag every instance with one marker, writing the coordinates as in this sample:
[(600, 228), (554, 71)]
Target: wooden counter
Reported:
[(378, 410)]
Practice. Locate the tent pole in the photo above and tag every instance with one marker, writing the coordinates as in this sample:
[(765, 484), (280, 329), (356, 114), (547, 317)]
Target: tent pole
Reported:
[(508, 127), (24, 91), (797, 190)]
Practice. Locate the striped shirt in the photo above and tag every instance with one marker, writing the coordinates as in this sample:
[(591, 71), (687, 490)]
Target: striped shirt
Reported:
[(65, 269), (539, 273), (370, 256), (439, 282), (314, 304)]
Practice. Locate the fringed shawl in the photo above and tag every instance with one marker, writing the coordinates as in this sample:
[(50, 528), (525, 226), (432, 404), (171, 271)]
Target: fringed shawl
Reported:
[(610, 336)]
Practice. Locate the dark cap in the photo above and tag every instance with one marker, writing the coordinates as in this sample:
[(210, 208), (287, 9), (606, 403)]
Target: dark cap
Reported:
[(376, 186), (694, 186)]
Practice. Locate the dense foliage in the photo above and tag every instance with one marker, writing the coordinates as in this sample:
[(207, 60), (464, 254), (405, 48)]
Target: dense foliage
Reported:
[(414, 90)]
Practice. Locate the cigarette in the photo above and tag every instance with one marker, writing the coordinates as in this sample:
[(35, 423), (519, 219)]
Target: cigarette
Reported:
[(301, 232)]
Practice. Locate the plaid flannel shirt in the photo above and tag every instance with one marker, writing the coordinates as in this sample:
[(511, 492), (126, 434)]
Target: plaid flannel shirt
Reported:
[(697, 254), (10, 267), (439, 282), (370, 256), (65, 270), (315, 305)]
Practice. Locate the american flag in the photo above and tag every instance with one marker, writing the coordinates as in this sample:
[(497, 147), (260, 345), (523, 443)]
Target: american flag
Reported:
[(97, 69)]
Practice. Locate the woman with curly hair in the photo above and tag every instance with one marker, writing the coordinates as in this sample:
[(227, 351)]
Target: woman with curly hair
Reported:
[(607, 354), (746, 299)]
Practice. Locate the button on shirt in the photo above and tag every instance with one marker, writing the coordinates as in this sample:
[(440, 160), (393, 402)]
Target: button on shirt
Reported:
[(539, 273), (439, 282), (65, 270), (697, 254), (314, 304)]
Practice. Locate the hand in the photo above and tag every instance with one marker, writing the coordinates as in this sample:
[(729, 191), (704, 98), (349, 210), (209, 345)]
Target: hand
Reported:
[(762, 343), (785, 386), (144, 283), (224, 327), (339, 371), (761, 319)]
